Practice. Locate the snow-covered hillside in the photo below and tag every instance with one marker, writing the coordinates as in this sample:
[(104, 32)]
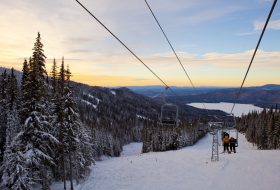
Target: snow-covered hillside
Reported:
[(188, 168)]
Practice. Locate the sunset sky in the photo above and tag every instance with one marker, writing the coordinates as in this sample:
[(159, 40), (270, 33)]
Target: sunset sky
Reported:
[(215, 40)]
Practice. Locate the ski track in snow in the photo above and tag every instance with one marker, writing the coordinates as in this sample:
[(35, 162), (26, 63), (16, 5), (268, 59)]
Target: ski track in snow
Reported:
[(113, 92), (187, 169)]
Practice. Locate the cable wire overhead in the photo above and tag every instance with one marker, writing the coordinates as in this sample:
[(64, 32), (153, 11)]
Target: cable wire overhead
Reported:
[(176, 55), (253, 57), (105, 27)]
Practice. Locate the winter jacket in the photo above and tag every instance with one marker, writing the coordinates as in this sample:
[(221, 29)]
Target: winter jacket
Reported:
[(226, 139), (232, 140)]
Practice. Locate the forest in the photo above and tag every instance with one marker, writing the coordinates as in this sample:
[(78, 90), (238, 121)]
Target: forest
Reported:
[(262, 129), (42, 137)]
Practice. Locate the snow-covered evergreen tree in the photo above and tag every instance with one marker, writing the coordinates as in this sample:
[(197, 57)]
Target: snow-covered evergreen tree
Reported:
[(72, 129), (17, 175), (26, 83), (262, 129), (35, 142), (3, 111), (54, 76), (8, 169), (75, 150), (14, 170)]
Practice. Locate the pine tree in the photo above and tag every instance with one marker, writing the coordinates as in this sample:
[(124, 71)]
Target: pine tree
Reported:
[(54, 76), (13, 168), (38, 75), (3, 111), (60, 125), (75, 150), (35, 140), (84, 156), (72, 124), (8, 171), (26, 85), (17, 175), (262, 129), (25, 73), (12, 90)]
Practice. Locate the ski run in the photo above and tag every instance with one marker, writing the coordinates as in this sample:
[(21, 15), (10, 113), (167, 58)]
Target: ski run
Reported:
[(188, 168)]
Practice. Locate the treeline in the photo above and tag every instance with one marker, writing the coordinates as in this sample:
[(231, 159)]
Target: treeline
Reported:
[(41, 136), (158, 138), (262, 129)]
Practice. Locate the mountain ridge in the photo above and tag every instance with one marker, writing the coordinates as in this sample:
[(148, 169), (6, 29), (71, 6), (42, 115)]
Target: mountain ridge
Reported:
[(265, 96)]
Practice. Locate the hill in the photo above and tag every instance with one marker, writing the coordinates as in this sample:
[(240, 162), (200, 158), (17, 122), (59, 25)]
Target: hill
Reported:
[(154, 91), (115, 116), (262, 96), (188, 168)]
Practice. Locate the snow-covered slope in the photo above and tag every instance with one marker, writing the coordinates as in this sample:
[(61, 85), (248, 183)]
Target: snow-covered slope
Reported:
[(189, 168)]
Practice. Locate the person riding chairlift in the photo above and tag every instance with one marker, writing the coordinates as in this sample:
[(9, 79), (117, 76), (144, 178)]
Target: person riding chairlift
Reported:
[(232, 144), (226, 142)]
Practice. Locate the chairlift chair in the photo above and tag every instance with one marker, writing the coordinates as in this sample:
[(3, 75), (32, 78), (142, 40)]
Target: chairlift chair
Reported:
[(230, 128), (169, 115)]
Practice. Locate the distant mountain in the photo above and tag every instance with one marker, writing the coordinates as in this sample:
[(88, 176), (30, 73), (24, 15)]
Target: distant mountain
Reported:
[(268, 87), (262, 96), (17, 73), (154, 91)]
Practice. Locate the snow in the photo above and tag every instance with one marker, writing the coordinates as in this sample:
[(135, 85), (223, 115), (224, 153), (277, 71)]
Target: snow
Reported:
[(188, 168), (132, 149), (226, 107), (90, 104), (97, 99), (113, 92), (93, 97), (141, 116)]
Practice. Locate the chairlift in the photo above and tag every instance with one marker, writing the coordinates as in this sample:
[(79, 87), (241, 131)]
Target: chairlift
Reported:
[(169, 114), (230, 128)]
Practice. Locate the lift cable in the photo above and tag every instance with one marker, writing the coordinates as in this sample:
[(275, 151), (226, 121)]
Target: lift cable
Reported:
[(176, 55), (252, 59), (167, 87)]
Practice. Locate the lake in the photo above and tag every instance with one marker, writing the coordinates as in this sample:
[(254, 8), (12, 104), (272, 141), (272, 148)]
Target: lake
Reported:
[(226, 107)]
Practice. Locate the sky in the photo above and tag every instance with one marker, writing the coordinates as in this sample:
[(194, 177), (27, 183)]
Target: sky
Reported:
[(214, 39)]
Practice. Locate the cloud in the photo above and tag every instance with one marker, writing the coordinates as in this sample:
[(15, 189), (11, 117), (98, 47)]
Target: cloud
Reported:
[(225, 60), (69, 31), (211, 68), (273, 24), (75, 40), (109, 80), (258, 25), (79, 51), (262, 59)]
